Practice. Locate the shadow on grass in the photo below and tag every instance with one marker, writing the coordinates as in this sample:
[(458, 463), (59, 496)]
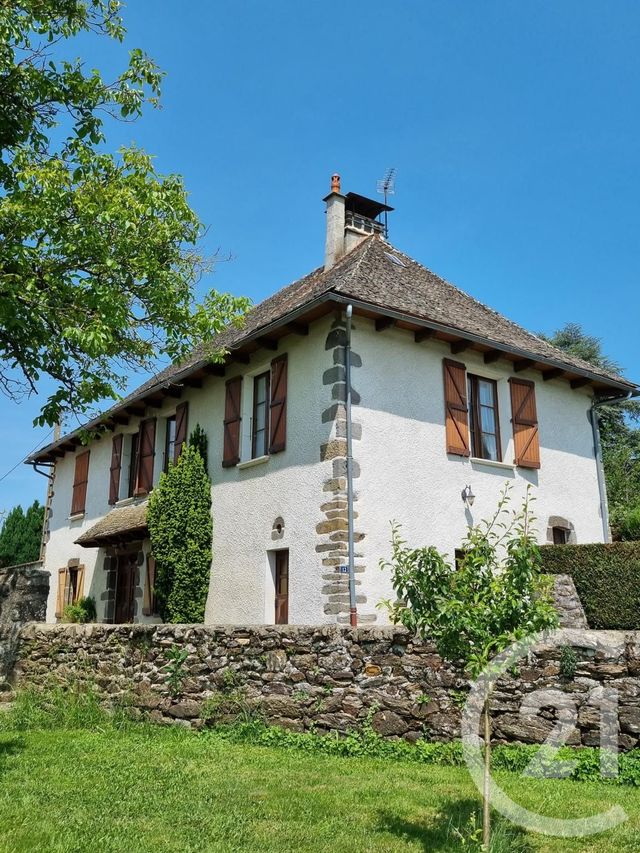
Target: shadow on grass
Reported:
[(9, 746), (457, 827)]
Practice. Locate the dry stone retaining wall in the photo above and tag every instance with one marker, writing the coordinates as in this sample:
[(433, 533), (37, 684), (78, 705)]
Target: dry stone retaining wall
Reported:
[(332, 678)]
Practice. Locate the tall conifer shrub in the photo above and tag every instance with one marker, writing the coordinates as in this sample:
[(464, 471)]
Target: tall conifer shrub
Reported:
[(181, 532)]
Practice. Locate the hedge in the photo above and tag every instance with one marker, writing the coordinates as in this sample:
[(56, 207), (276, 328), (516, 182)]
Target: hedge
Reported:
[(607, 579)]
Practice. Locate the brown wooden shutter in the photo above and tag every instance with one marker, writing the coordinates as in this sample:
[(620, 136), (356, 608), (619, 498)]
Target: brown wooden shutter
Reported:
[(79, 584), (146, 454), (525, 423), (114, 470), (80, 479), (278, 405), (232, 419), (61, 597), (182, 413), (456, 409)]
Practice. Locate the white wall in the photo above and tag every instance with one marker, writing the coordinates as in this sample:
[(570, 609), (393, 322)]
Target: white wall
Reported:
[(407, 476), (245, 501)]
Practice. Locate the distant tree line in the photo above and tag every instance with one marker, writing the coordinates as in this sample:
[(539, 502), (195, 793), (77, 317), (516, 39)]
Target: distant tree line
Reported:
[(21, 534)]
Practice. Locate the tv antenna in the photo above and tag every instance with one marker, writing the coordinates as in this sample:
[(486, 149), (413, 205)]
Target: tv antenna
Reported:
[(387, 187)]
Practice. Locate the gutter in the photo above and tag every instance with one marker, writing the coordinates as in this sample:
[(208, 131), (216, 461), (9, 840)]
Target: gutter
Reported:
[(597, 446), (353, 610)]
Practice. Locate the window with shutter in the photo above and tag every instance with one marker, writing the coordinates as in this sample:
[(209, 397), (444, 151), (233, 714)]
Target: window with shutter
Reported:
[(232, 420), (146, 454), (524, 418), (278, 405), (70, 586), (182, 413), (80, 480), (114, 470), (456, 409)]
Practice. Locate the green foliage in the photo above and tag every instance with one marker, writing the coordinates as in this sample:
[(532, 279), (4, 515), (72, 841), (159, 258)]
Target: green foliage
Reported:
[(494, 597), (625, 523), (606, 577), (199, 441), (21, 535), (98, 258), (84, 610), (176, 670), (181, 532), (568, 662)]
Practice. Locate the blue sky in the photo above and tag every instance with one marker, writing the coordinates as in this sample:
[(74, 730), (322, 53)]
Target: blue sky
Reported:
[(513, 126)]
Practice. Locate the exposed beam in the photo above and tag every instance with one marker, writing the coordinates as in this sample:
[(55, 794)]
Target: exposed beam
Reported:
[(492, 355), (383, 323), (173, 391), (241, 357), (154, 402), (580, 383), (120, 419), (523, 364), (215, 369), (193, 382), (57, 451), (298, 328), (135, 409), (267, 343), (554, 373), (460, 346), (423, 335)]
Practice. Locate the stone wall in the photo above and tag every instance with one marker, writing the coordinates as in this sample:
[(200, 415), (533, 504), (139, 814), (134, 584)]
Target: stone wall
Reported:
[(23, 598), (334, 678)]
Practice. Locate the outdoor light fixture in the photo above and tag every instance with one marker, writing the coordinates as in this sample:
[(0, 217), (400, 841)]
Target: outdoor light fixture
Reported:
[(467, 496)]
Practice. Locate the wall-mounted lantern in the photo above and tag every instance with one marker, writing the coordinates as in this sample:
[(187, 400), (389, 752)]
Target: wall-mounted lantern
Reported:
[(467, 496)]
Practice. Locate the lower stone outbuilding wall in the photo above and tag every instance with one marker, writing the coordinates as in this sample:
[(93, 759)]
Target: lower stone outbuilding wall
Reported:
[(333, 678)]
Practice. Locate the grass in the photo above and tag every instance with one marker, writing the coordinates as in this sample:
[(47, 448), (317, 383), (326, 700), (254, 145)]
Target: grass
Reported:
[(70, 782)]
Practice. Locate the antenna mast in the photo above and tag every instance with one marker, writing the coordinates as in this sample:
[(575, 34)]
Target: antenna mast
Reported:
[(387, 187)]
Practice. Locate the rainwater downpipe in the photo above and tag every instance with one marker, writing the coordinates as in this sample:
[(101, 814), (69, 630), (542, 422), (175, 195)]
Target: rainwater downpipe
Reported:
[(597, 444), (353, 611)]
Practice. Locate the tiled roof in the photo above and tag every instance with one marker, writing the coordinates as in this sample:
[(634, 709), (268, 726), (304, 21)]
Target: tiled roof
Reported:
[(368, 274), (124, 522)]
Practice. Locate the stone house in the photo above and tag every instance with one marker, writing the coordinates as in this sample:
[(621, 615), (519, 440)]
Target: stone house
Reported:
[(449, 400)]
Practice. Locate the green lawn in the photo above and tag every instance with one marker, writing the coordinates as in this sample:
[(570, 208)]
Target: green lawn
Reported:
[(144, 789)]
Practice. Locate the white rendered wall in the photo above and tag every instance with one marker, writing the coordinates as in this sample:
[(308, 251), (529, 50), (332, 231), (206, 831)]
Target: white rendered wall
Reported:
[(245, 501), (407, 476)]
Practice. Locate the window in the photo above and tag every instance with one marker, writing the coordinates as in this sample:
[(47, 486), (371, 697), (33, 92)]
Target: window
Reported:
[(483, 419), (133, 463), (169, 443), (260, 419), (560, 535), (70, 586)]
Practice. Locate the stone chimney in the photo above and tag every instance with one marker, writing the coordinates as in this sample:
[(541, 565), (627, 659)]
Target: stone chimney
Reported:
[(351, 219), (334, 243)]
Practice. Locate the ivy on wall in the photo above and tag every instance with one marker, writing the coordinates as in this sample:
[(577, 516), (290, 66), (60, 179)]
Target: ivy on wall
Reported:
[(181, 532)]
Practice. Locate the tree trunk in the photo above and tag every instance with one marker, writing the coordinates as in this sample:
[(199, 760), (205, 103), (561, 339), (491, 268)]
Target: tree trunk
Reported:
[(486, 811)]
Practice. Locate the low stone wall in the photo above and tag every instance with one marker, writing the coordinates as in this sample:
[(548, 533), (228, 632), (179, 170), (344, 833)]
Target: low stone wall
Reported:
[(23, 598), (334, 678)]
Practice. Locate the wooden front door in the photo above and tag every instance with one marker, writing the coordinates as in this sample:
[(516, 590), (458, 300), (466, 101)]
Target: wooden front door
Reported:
[(125, 587), (282, 587)]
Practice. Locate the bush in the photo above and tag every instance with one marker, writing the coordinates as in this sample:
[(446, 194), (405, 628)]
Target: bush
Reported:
[(181, 532), (626, 526), (607, 579), (84, 610)]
